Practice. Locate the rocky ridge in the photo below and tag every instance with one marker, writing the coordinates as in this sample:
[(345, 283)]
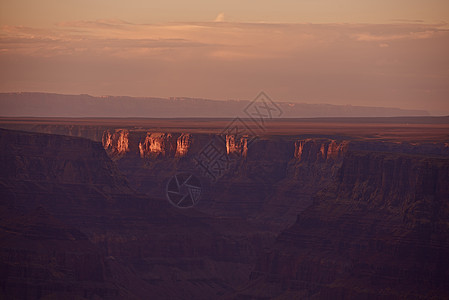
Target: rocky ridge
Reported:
[(141, 245), (373, 215), (380, 230)]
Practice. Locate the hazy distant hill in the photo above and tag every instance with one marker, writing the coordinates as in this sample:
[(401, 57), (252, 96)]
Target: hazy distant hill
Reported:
[(53, 105)]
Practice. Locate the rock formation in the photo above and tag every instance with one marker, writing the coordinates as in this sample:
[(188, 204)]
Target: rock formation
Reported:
[(116, 143), (379, 231), (237, 146), (43, 257), (88, 234), (157, 144), (373, 217), (183, 144)]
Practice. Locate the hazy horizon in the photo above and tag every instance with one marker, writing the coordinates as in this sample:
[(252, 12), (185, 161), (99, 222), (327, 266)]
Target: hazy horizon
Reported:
[(27, 104)]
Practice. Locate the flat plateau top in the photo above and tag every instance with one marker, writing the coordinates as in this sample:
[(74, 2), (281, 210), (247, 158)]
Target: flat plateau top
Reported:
[(414, 129)]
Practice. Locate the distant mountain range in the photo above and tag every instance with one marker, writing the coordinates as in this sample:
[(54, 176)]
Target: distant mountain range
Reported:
[(57, 105)]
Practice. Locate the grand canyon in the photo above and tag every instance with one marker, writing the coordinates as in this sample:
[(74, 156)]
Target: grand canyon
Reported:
[(244, 150), (319, 208)]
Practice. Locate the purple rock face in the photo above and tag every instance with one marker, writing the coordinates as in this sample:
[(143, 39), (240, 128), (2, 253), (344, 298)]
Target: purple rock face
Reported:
[(66, 202), (87, 217), (379, 230)]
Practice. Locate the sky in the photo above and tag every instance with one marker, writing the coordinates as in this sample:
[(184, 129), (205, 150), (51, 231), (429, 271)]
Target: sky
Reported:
[(373, 53)]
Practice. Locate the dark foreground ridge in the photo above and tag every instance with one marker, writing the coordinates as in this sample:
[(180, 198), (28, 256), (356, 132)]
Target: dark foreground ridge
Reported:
[(72, 227), (369, 235), (89, 219)]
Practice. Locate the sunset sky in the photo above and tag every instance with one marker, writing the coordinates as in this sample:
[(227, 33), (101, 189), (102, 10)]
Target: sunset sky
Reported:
[(376, 53)]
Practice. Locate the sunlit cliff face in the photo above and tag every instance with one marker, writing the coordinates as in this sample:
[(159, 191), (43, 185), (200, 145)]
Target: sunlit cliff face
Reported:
[(183, 144), (299, 148), (153, 145), (336, 150), (156, 144), (237, 146), (159, 144), (329, 150), (116, 142)]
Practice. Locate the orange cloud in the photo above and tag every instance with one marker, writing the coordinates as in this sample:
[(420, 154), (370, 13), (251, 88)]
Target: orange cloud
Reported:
[(228, 40), (220, 17), (352, 63)]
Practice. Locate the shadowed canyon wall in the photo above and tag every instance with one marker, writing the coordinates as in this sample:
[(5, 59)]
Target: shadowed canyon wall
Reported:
[(373, 216), (271, 179), (72, 227), (379, 230)]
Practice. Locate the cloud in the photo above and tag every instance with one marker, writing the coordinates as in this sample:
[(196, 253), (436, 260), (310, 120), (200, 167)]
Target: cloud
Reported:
[(220, 17), (369, 37), (101, 23), (407, 21), (294, 61), (232, 41)]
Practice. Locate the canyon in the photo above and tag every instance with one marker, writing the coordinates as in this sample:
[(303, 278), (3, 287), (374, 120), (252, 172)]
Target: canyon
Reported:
[(379, 230), (84, 216), (302, 211)]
